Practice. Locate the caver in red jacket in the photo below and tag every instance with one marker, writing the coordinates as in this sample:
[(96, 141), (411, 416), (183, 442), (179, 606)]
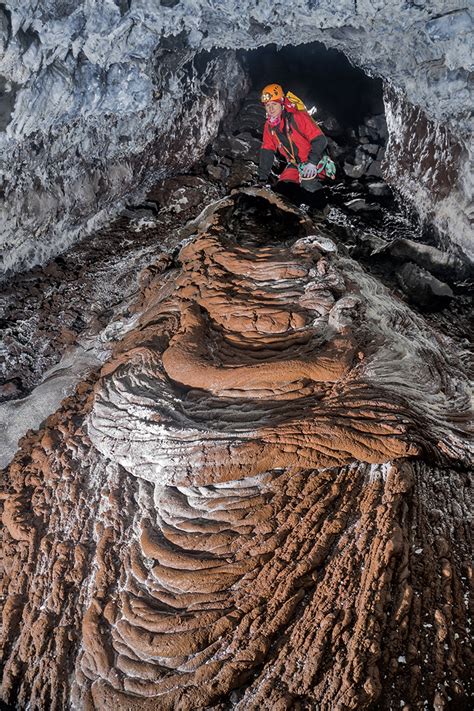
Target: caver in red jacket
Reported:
[(299, 140)]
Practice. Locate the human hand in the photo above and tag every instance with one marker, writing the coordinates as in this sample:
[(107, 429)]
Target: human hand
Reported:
[(309, 171)]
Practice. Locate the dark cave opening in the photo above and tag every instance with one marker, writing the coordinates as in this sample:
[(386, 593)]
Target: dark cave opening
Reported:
[(345, 102), (250, 216), (321, 77)]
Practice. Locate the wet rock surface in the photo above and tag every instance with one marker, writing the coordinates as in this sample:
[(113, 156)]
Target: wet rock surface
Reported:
[(260, 500), (92, 90), (430, 167), (77, 295), (48, 311), (117, 131)]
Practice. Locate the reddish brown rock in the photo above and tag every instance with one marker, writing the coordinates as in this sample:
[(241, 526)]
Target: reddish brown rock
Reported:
[(261, 502)]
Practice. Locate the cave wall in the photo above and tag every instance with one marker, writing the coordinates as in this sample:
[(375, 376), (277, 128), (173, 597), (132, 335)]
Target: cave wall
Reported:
[(68, 178), (97, 87), (431, 168)]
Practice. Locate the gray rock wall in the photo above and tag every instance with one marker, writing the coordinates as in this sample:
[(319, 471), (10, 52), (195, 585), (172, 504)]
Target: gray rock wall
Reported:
[(431, 168), (94, 91), (66, 179)]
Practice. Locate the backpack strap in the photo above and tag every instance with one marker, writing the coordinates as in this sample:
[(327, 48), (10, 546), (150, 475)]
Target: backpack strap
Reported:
[(326, 168), (291, 155), (295, 127)]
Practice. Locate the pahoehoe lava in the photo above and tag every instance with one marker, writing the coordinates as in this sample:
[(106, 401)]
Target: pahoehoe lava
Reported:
[(261, 500)]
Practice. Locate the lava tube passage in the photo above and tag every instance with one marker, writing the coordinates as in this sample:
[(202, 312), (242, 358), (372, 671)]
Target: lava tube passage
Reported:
[(235, 404)]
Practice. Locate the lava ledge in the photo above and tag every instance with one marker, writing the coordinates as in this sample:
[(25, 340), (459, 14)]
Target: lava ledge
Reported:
[(261, 500)]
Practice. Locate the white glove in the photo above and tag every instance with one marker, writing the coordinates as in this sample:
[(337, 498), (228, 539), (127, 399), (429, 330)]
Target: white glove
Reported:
[(309, 171)]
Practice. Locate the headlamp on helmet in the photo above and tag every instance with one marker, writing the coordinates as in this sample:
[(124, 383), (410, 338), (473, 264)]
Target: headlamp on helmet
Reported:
[(272, 92)]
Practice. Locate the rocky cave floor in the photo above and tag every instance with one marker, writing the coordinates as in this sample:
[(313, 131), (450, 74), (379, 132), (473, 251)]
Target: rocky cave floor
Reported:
[(47, 309), (259, 496)]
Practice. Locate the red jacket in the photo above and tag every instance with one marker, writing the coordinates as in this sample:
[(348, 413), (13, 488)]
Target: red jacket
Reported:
[(307, 141)]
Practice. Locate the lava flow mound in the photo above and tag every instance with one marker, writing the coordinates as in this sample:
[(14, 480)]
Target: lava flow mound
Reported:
[(261, 501)]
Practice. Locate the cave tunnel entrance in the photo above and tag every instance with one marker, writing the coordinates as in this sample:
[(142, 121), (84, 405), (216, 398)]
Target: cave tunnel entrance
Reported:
[(348, 103), (321, 77)]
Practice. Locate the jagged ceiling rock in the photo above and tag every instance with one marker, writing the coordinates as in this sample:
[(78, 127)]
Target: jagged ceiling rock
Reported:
[(261, 501), (99, 90), (422, 47)]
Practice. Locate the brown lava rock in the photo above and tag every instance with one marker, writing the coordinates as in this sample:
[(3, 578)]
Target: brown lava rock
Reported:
[(260, 503)]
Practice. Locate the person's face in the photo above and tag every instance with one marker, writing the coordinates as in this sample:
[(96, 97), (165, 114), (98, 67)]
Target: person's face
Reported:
[(273, 109)]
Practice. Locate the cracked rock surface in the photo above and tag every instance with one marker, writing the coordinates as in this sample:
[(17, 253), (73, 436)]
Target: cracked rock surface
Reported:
[(101, 98), (259, 502)]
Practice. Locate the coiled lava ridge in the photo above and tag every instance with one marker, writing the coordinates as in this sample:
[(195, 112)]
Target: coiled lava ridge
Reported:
[(261, 503)]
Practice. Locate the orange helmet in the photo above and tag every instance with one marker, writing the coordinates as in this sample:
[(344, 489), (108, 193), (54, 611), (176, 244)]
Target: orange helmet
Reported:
[(272, 92)]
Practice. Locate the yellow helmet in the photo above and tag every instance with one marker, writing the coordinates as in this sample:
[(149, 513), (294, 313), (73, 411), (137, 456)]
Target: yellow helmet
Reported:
[(272, 92)]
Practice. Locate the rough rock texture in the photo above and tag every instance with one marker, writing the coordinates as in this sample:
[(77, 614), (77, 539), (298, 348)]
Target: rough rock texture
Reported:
[(67, 176), (95, 90), (432, 168), (59, 321), (79, 293), (261, 502)]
